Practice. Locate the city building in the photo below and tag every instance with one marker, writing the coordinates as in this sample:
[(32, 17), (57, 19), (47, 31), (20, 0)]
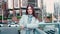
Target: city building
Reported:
[(48, 12), (43, 8)]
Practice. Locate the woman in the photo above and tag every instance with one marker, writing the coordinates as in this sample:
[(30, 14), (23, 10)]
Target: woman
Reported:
[(29, 22)]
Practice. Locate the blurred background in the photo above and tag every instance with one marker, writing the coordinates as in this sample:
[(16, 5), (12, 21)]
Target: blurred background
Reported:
[(48, 12)]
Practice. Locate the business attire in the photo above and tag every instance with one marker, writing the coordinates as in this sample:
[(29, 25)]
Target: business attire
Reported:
[(30, 24)]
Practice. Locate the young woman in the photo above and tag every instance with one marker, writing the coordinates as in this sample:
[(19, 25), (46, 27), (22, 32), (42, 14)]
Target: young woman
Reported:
[(29, 22)]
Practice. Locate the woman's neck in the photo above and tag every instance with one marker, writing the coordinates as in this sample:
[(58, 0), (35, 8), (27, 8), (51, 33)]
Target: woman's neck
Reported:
[(29, 15)]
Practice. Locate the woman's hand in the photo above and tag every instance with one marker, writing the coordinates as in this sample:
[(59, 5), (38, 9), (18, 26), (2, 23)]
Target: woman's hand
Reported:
[(22, 26)]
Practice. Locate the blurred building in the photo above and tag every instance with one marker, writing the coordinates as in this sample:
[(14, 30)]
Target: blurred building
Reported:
[(19, 6), (12, 8), (43, 8), (46, 10)]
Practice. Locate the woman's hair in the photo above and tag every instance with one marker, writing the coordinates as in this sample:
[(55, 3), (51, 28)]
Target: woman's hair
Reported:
[(32, 10)]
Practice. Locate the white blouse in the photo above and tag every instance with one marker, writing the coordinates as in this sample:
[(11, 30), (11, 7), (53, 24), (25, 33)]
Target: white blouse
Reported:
[(24, 21)]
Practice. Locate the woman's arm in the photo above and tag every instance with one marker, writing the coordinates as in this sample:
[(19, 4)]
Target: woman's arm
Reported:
[(34, 24), (21, 22)]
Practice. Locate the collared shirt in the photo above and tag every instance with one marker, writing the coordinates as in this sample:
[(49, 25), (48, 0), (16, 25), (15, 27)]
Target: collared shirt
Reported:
[(30, 18)]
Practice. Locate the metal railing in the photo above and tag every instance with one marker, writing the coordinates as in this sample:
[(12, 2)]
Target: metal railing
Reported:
[(17, 28)]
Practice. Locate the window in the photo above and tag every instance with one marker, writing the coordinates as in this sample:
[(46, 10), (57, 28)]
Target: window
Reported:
[(17, 12), (52, 9), (23, 12), (48, 10), (0, 10), (55, 15), (16, 3), (33, 2), (57, 11), (26, 2), (10, 4), (0, 7), (14, 6)]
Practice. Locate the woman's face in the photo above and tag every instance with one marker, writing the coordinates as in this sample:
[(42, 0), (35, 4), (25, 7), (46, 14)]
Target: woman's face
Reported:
[(30, 10)]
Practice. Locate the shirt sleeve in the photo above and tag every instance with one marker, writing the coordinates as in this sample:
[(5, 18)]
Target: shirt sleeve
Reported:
[(21, 21)]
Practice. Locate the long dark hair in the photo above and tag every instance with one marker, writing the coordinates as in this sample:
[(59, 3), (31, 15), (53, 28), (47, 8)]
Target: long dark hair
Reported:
[(32, 10)]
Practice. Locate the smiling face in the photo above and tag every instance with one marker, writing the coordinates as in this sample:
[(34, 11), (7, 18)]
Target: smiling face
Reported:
[(30, 11)]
